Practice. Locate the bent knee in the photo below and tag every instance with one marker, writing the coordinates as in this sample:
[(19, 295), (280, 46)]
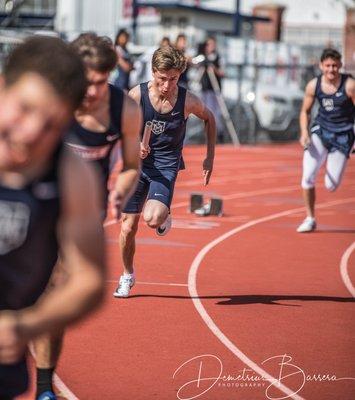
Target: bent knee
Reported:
[(308, 182), (331, 186), (153, 220), (129, 227)]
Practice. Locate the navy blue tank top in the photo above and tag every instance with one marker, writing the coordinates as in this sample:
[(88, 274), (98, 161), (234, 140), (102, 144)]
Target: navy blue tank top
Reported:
[(28, 238), (336, 111), (96, 147), (168, 132)]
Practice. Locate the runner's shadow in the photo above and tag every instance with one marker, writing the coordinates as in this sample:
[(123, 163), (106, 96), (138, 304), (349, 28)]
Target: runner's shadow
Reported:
[(275, 299), (334, 231), (255, 299)]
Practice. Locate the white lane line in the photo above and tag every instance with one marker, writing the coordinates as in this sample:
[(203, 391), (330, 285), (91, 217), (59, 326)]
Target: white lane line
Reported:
[(232, 196), (63, 389), (246, 177), (239, 195), (154, 283), (209, 321), (344, 269), (242, 195)]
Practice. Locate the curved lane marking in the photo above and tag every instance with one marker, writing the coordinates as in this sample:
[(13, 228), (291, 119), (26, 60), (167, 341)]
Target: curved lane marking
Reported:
[(344, 269), (209, 321)]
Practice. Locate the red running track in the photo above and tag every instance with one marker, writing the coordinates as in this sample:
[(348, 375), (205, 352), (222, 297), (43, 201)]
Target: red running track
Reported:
[(237, 307)]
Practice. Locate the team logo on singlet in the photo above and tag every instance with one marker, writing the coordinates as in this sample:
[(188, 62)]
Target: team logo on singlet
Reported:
[(328, 104), (14, 221), (158, 127)]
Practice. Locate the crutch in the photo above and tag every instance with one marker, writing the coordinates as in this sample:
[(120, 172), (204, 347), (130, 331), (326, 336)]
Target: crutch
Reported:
[(222, 104)]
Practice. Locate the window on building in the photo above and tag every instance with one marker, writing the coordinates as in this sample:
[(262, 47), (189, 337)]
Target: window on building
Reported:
[(33, 6)]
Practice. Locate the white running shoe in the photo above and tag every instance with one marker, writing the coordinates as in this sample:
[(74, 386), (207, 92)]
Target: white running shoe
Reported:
[(165, 227), (308, 225), (125, 284)]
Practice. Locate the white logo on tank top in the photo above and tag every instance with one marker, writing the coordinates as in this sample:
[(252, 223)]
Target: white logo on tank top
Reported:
[(14, 221), (338, 94), (328, 104), (158, 127), (175, 113)]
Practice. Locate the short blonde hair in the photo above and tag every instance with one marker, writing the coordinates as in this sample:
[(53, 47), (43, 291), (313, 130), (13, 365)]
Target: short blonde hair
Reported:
[(167, 57)]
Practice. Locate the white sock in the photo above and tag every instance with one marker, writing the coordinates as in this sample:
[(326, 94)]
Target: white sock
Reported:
[(310, 218)]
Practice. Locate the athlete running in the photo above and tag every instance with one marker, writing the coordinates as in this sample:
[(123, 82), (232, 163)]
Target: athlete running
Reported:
[(105, 116), (48, 200), (331, 137), (166, 107)]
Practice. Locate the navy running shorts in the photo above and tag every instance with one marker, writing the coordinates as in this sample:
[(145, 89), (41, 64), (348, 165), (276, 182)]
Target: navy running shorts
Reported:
[(13, 379), (341, 141), (153, 184)]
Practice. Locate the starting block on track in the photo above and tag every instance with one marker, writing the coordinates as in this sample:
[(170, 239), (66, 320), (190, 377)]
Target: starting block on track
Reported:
[(213, 207), (196, 201)]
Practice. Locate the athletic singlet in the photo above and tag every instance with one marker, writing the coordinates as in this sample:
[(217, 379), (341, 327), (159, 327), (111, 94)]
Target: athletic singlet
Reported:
[(28, 238), (336, 111), (168, 132), (97, 146)]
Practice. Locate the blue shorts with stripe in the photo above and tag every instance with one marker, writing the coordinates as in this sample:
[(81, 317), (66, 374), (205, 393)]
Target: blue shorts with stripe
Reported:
[(153, 184)]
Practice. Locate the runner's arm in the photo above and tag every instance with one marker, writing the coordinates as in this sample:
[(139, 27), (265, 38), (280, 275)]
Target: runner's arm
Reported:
[(135, 94), (81, 240), (128, 176), (194, 105), (307, 104), (350, 88)]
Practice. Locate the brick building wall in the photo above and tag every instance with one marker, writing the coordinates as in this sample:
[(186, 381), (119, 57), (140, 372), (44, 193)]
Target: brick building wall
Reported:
[(268, 31)]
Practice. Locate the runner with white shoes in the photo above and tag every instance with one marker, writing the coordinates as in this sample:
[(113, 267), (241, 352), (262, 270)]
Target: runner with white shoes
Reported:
[(331, 137), (167, 106)]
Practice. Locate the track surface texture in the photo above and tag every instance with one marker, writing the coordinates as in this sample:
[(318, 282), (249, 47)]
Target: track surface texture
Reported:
[(233, 307)]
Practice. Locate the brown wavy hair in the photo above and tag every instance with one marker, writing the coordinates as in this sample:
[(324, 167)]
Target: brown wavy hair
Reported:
[(167, 57)]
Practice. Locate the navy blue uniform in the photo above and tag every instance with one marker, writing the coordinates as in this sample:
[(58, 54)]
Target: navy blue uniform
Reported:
[(335, 120), (96, 147), (28, 253), (161, 166)]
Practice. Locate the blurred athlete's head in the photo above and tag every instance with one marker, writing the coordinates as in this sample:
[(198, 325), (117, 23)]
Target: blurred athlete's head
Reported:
[(168, 64), (99, 57), (330, 64), (43, 82)]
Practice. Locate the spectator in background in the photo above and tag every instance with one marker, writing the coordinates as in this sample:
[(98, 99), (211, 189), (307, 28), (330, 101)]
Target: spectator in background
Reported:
[(209, 97), (142, 68), (124, 61), (181, 44), (165, 41)]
